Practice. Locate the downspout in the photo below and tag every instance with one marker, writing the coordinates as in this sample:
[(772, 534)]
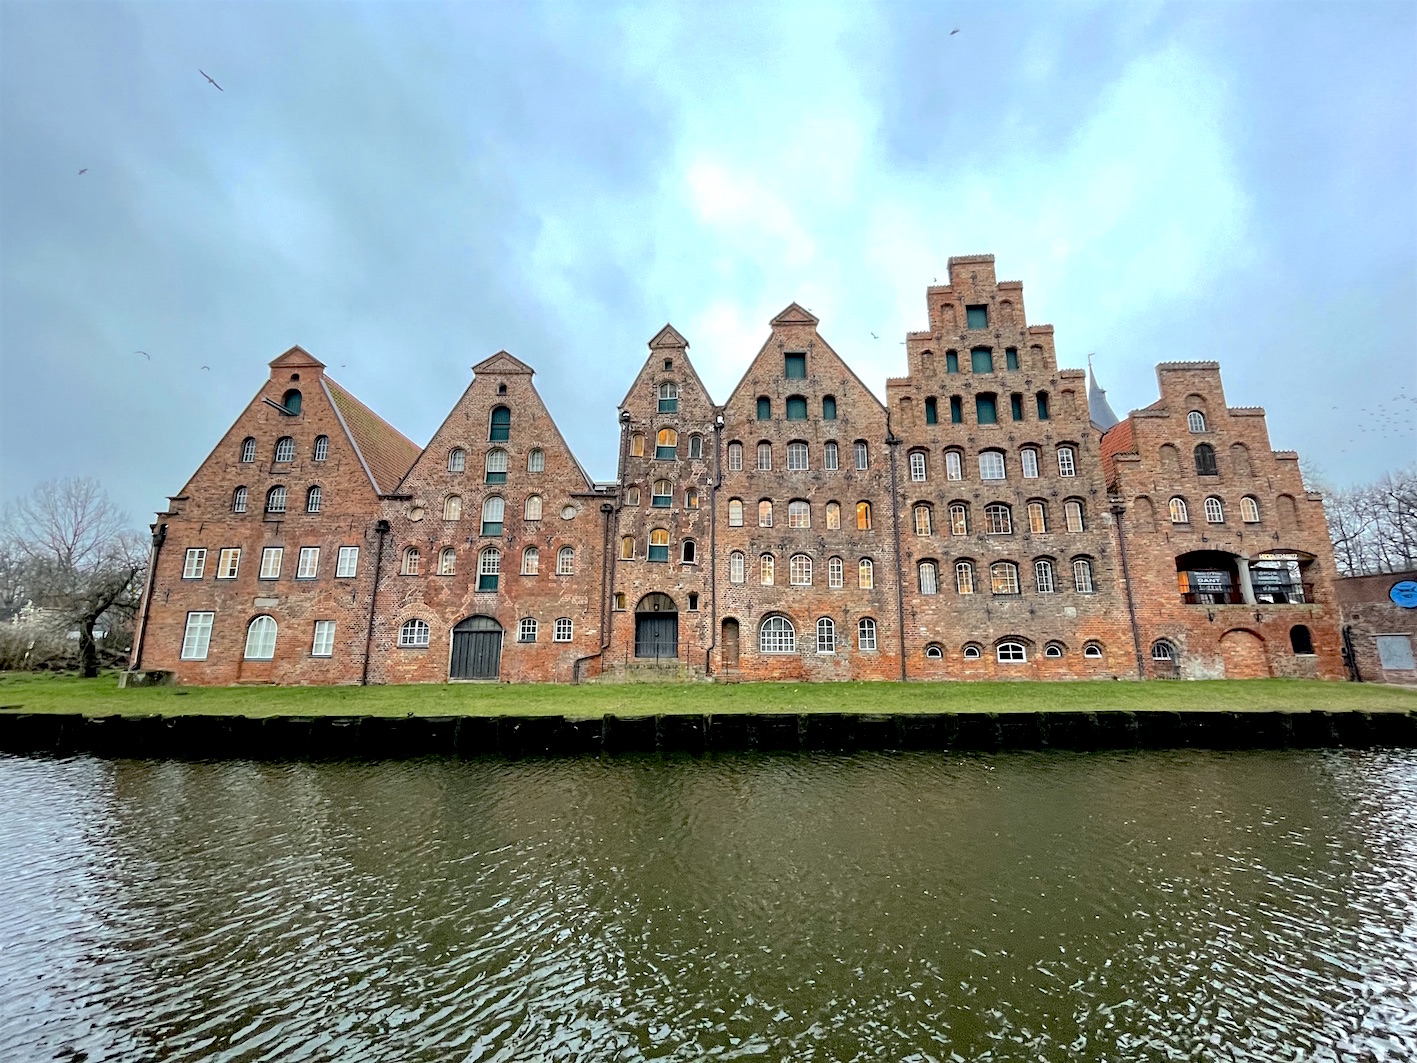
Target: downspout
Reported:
[(713, 541), (892, 442), (1117, 512), (606, 509), (1350, 655), (383, 529), (159, 537)]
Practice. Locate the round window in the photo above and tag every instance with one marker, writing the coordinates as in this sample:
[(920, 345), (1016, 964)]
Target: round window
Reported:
[(567, 512)]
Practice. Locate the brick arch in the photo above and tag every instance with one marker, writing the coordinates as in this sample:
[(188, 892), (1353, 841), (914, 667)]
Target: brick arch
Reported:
[(1244, 654)]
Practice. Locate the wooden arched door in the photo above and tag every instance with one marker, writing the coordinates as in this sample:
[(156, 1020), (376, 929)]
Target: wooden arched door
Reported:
[(477, 649)]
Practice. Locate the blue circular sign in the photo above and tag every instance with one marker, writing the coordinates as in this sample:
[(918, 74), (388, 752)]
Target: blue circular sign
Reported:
[(1404, 593)]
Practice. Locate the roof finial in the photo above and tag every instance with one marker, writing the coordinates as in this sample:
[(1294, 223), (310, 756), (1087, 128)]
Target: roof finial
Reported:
[(1097, 406)]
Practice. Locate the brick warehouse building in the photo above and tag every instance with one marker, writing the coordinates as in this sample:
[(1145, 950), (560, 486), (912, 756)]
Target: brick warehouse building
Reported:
[(993, 519)]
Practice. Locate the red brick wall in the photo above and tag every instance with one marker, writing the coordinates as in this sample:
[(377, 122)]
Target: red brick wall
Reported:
[(1369, 611)]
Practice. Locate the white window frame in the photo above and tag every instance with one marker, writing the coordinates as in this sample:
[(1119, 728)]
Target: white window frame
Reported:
[(776, 635), (826, 635), (735, 457), (536, 460), (457, 460), (314, 496), (1020, 658), (833, 516), (959, 518), (737, 567), (1067, 462), (766, 570), (799, 570), (964, 577), (271, 559), (765, 513), (735, 513), (861, 451), (1180, 514), (1073, 515), (447, 561), (1037, 518), (566, 561), (197, 636), (797, 457), (307, 563), (831, 460), (998, 519), (531, 509), (563, 631), (1005, 573), (1214, 510), (924, 525), (954, 465), (414, 634), (531, 561), (865, 574), (1249, 510), (799, 514), (194, 562), (228, 562), (1082, 576), (259, 647), (1043, 576), (929, 578), (276, 499), (764, 457), (248, 449), (322, 448), (917, 466), (992, 465), (1028, 460), (526, 629), (452, 507), (239, 499), (285, 450), (347, 564), (322, 643), (1195, 422), (866, 635)]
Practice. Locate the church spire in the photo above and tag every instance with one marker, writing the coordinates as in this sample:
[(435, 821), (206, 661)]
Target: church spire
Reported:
[(1097, 406)]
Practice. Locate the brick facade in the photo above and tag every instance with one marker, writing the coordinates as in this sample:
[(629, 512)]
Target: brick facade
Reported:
[(1370, 614), (978, 525)]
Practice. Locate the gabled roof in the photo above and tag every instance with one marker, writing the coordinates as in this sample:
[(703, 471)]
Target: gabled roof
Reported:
[(795, 315), (296, 356), (668, 336), (502, 362), (666, 339), (385, 452)]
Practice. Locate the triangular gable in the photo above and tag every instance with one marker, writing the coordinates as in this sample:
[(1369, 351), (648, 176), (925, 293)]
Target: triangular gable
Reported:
[(385, 452), (667, 338), (795, 315), (504, 363), (296, 356), (785, 318)]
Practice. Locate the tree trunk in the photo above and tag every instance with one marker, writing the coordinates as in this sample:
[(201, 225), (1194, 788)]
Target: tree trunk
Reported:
[(88, 649)]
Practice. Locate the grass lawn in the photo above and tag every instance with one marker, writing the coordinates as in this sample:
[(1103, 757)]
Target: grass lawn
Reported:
[(27, 692)]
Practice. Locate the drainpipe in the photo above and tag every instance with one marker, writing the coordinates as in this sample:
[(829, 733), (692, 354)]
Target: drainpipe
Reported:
[(606, 510), (713, 541), (1350, 656), (1117, 511), (382, 527), (159, 537), (892, 443)]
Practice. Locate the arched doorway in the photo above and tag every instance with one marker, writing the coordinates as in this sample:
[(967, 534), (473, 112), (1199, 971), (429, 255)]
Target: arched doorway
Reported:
[(657, 627), (1244, 655), (730, 643), (477, 649)]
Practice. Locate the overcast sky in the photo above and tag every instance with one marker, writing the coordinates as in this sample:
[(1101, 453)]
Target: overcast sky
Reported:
[(404, 189)]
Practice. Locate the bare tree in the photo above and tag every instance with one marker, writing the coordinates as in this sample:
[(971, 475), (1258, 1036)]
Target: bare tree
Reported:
[(1374, 526), (80, 557)]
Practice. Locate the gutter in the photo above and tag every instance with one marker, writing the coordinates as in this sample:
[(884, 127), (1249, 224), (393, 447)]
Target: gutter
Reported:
[(893, 443), (382, 527), (1117, 511), (159, 537), (606, 508), (713, 540)]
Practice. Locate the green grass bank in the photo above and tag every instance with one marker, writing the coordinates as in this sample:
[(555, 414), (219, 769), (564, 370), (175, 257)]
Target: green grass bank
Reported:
[(49, 693)]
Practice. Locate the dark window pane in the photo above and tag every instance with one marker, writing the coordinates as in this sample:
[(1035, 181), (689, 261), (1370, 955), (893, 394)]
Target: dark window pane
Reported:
[(984, 409), (501, 424), (1016, 406), (951, 362), (1043, 405), (829, 409), (796, 367), (796, 408), (956, 410), (1011, 357), (981, 360), (932, 412), (764, 409), (976, 317)]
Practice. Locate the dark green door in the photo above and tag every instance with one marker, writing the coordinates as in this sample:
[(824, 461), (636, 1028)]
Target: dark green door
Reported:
[(477, 648)]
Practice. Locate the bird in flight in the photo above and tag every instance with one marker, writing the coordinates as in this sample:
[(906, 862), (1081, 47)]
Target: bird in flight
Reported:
[(83, 171), (874, 336), (209, 78), (953, 32), (207, 367), (145, 354)]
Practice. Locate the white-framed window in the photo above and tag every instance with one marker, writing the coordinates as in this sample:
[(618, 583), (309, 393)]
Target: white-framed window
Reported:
[(348, 563), (531, 559), (661, 494), (866, 634), (1214, 511), (494, 509), (1195, 421), (929, 578), (194, 563), (922, 520), (270, 562), (1028, 458), (307, 565), (764, 456), (1037, 518), (563, 630), (526, 629), (991, 465), (917, 466), (1092, 651), (735, 513), (261, 639), (777, 636), (1249, 510), (934, 652), (959, 518), (496, 466), (736, 566), (414, 634), (833, 516), (632, 496), (533, 507), (796, 457), (312, 499), (799, 570), (536, 460), (1082, 576), (799, 515), (964, 577), (322, 448), (1003, 577), (836, 573), (972, 652), (1072, 511), (457, 459), (1179, 514), (735, 457), (830, 458), (227, 563), (954, 465), (997, 519), (691, 498), (637, 445), (689, 552), (1067, 466), (668, 397), (489, 569), (452, 507), (411, 561), (285, 449), (1053, 650), (238, 500), (765, 513), (197, 637), (696, 446), (1043, 576), (1161, 650), (826, 635), (865, 574), (566, 561), (324, 643), (248, 449), (1012, 653), (275, 500), (765, 570), (862, 453), (447, 561), (666, 444)]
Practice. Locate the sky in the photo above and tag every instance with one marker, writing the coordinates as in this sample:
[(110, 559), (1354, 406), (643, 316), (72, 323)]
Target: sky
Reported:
[(404, 189)]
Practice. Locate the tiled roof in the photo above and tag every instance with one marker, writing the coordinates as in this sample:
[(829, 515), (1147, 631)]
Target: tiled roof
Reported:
[(386, 452), (1116, 440)]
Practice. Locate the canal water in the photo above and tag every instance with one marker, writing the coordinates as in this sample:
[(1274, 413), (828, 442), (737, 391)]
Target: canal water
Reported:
[(1024, 906)]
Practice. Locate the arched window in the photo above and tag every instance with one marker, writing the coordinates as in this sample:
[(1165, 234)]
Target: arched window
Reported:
[(666, 444), (735, 457), (1092, 651), (954, 465), (863, 454), (489, 569), (1012, 653), (1003, 577), (866, 634), (1067, 463), (833, 516), (533, 507), (1195, 421), (1214, 511), (696, 446), (1179, 514), (531, 559), (737, 566), (291, 401), (796, 457), (457, 459), (668, 397), (1300, 640), (1072, 510), (922, 520), (986, 409), (863, 516), (312, 499), (917, 466), (261, 639), (322, 448), (637, 445), (1161, 650), (285, 449), (826, 635), (1043, 576), (865, 574), (799, 570), (972, 651), (830, 456), (238, 500), (735, 513), (452, 507), (836, 573), (447, 561), (764, 408), (275, 500), (661, 495), (1053, 650), (929, 578), (997, 519), (1205, 460), (248, 449), (1038, 518), (414, 634), (564, 627), (632, 496), (566, 561), (691, 498), (796, 408), (934, 652), (1028, 459), (991, 465), (500, 428), (496, 467), (526, 629), (536, 460), (1249, 510), (964, 577), (659, 545), (828, 408), (777, 636), (411, 561), (689, 552), (493, 509), (627, 548), (981, 360), (1082, 576), (764, 456), (959, 518), (799, 514)]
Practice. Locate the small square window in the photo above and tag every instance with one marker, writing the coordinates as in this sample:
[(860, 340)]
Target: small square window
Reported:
[(796, 366), (976, 317)]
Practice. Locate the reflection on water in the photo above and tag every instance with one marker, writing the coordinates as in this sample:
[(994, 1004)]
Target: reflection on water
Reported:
[(1185, 905)]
